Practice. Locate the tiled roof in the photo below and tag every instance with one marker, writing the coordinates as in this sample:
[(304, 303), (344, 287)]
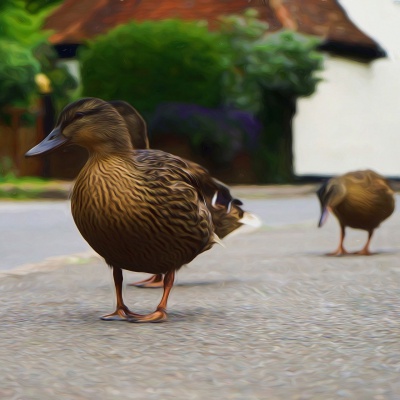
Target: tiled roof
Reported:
[(327, 19), (77, 20)]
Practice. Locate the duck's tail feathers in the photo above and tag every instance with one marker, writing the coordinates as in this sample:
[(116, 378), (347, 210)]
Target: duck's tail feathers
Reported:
[(217, 240), (250, 220)]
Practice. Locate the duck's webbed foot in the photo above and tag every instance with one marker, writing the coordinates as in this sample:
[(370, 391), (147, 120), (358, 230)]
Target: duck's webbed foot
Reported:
[(160, 315), (121, 313), (154, 282), (364, 252), (339, 252)]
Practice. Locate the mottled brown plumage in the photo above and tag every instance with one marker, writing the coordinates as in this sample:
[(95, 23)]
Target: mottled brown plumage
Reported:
[(226, 213), (141, 210), (360, 200)]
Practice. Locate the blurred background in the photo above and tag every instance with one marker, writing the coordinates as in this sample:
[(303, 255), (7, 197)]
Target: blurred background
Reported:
[(267, 91)]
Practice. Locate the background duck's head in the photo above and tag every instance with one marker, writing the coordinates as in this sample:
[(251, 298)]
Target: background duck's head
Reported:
[(135, 123), (91, 123), (330, 194), (324, 193)]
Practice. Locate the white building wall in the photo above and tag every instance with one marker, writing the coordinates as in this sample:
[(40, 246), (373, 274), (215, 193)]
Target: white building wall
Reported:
[(353, 120)]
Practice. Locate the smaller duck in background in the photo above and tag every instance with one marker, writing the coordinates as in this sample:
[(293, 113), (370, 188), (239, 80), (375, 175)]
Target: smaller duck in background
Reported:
[(359, 200)]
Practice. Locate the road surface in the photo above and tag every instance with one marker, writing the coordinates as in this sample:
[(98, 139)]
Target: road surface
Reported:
[(35, 230), (268, 317)]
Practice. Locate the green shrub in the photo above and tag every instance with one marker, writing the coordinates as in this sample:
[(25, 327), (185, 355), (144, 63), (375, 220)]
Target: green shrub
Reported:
[(150, 63), (17, 72), (285, 61)]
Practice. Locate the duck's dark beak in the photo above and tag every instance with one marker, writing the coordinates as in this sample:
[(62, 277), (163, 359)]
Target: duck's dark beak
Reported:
[(53, 141), (324, 216)]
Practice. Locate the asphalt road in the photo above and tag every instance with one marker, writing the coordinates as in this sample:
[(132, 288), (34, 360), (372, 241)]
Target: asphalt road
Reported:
[(267, 317), (33, 231)]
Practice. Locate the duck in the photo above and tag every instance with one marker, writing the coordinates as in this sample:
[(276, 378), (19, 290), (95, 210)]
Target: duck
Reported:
[(141, 210), (226, 213), (358, 199)]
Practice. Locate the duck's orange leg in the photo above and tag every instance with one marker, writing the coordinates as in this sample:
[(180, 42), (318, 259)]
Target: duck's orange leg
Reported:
[(340, 250), (161, 312), (365, 250), (155, 281), (122, 312)]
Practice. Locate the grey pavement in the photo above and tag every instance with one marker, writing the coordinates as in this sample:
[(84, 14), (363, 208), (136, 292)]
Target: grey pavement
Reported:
[(266, 317), (32, 231)]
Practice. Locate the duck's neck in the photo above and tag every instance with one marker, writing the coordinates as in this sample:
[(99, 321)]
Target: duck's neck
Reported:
[(111, 141), (101, 151)]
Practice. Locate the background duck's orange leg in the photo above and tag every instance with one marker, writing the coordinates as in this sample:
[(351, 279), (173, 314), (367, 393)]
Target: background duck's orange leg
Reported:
[(122, 312), (161, 312), (340, 250), (155, 281), (365, 250)]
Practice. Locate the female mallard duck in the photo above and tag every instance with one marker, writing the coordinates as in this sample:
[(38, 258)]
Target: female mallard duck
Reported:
[(360, 200), (226, 213), (141, 210)]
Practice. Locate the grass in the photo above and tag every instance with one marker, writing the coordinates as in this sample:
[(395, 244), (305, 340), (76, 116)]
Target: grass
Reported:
[(12, 179), (29, 187)]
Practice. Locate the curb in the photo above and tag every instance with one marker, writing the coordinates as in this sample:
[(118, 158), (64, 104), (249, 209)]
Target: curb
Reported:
[(51, 264), (62, 191)]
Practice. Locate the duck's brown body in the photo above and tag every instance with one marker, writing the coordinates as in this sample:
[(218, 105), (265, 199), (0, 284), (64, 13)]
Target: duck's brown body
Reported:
[(226, 213), (367, 202), (360, 200), (225, 210), (141, 212)]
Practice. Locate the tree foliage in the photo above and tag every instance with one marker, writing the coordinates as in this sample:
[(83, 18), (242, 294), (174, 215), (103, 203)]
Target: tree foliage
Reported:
[(155, 62), (19, 34), (25, 51), (19, 25), (284, 62), (35, 6), (17, 71)]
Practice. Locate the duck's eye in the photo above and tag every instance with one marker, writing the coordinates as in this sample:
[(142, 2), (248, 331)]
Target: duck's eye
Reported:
[(79, 115)]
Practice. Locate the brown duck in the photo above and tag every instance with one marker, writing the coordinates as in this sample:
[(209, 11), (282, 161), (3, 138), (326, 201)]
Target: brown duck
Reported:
[(226, 213), (141, 210), (360, 200)]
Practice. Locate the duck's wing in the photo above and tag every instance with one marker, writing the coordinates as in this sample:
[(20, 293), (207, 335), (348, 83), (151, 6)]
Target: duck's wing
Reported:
[(226, 210), (166, 174), (372, 193), (216, 192), (378, 182), (166, 169)]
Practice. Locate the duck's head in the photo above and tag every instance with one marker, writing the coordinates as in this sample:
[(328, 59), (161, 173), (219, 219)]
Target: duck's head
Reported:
[(134, 122), (330, 195), (323, 194), (91, 123)]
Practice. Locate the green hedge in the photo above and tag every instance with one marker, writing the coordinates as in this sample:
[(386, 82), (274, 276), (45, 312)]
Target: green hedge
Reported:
[(150, 63)]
